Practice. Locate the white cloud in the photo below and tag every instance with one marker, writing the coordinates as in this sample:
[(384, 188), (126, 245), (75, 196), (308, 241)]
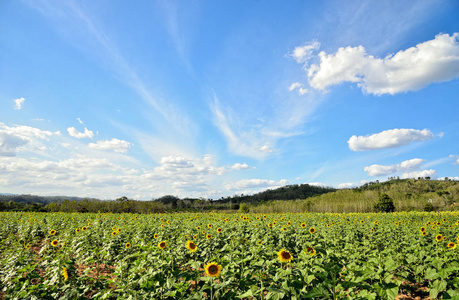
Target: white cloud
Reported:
[(16, 138), (79, 135), (424, 173), (317, 184), (388, 139), (456, 158), (267, 149), (407, 165), (113, 144), (238, 166), (255, 183), (412, 69), (294, 86), (303, 53), (79, 120), (18, 103), (299, 87), (455, 178), (346, 185)]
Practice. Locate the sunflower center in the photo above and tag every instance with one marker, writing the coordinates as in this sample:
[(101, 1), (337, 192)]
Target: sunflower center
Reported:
[(285, 255), (192, 246), (213, 269)]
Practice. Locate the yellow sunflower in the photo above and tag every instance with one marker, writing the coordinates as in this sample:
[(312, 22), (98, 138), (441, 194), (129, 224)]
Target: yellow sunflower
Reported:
[(128, 245), (284, 256), (195, 237), (213, 269), (162, 245), (114, 233), (84, 228), (27, 246), (219, 230), (303, 225), (65, 273), (452, 245), (439, 238), (54, 243), (312, 230), (77, 230), (155, 236), (52, 232), (191, 246), (209, 225), (311, 250), (423, 229), (208, 236)]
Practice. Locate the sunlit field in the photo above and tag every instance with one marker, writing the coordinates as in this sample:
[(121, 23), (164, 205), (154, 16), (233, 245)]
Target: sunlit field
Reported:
[(229, 256)]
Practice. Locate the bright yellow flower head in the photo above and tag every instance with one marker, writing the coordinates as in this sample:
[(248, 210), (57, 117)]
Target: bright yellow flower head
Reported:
[(213, 269), (191, 246), (284, 256), (162, 245)]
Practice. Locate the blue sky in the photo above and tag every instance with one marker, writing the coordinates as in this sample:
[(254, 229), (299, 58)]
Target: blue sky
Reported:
[(215, 98)]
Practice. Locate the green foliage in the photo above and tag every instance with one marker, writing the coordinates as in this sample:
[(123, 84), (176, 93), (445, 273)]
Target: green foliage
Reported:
[(385, 204), (244, 208)]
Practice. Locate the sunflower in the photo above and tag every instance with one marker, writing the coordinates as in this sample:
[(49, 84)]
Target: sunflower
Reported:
[(84, 228), (284, 228), (270, 225), (27, 246), (54, 243), (423, 229), (162, 245), (312, 230), (219, 230), (208, 236), (77, 230), (195, 237), (303, 225), (65, 273), (311, 250), (162, 225), (114, 233), (284, 256), (191, 246), (52, 232), (198, 228), (372, 230), (424, 233), (155, 236), (213, 269), (128, 245), (209, 225), (451, 245), (439, 238), (259, 242)]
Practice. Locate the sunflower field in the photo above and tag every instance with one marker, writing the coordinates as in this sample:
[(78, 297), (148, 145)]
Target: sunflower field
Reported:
[(229, 256)]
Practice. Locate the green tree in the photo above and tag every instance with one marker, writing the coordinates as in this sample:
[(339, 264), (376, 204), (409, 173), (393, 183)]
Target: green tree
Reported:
[(385, 204)]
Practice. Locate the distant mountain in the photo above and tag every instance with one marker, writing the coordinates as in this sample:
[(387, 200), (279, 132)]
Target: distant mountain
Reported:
[(28, 199)]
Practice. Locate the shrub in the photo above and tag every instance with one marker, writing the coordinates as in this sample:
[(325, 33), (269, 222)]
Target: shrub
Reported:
[(385, 204)]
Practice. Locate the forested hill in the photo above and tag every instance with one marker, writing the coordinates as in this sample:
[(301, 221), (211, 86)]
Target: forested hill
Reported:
[(289, 192)]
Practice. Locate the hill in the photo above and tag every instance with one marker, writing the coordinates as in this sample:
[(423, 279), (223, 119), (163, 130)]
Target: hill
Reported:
[(408, 194)]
